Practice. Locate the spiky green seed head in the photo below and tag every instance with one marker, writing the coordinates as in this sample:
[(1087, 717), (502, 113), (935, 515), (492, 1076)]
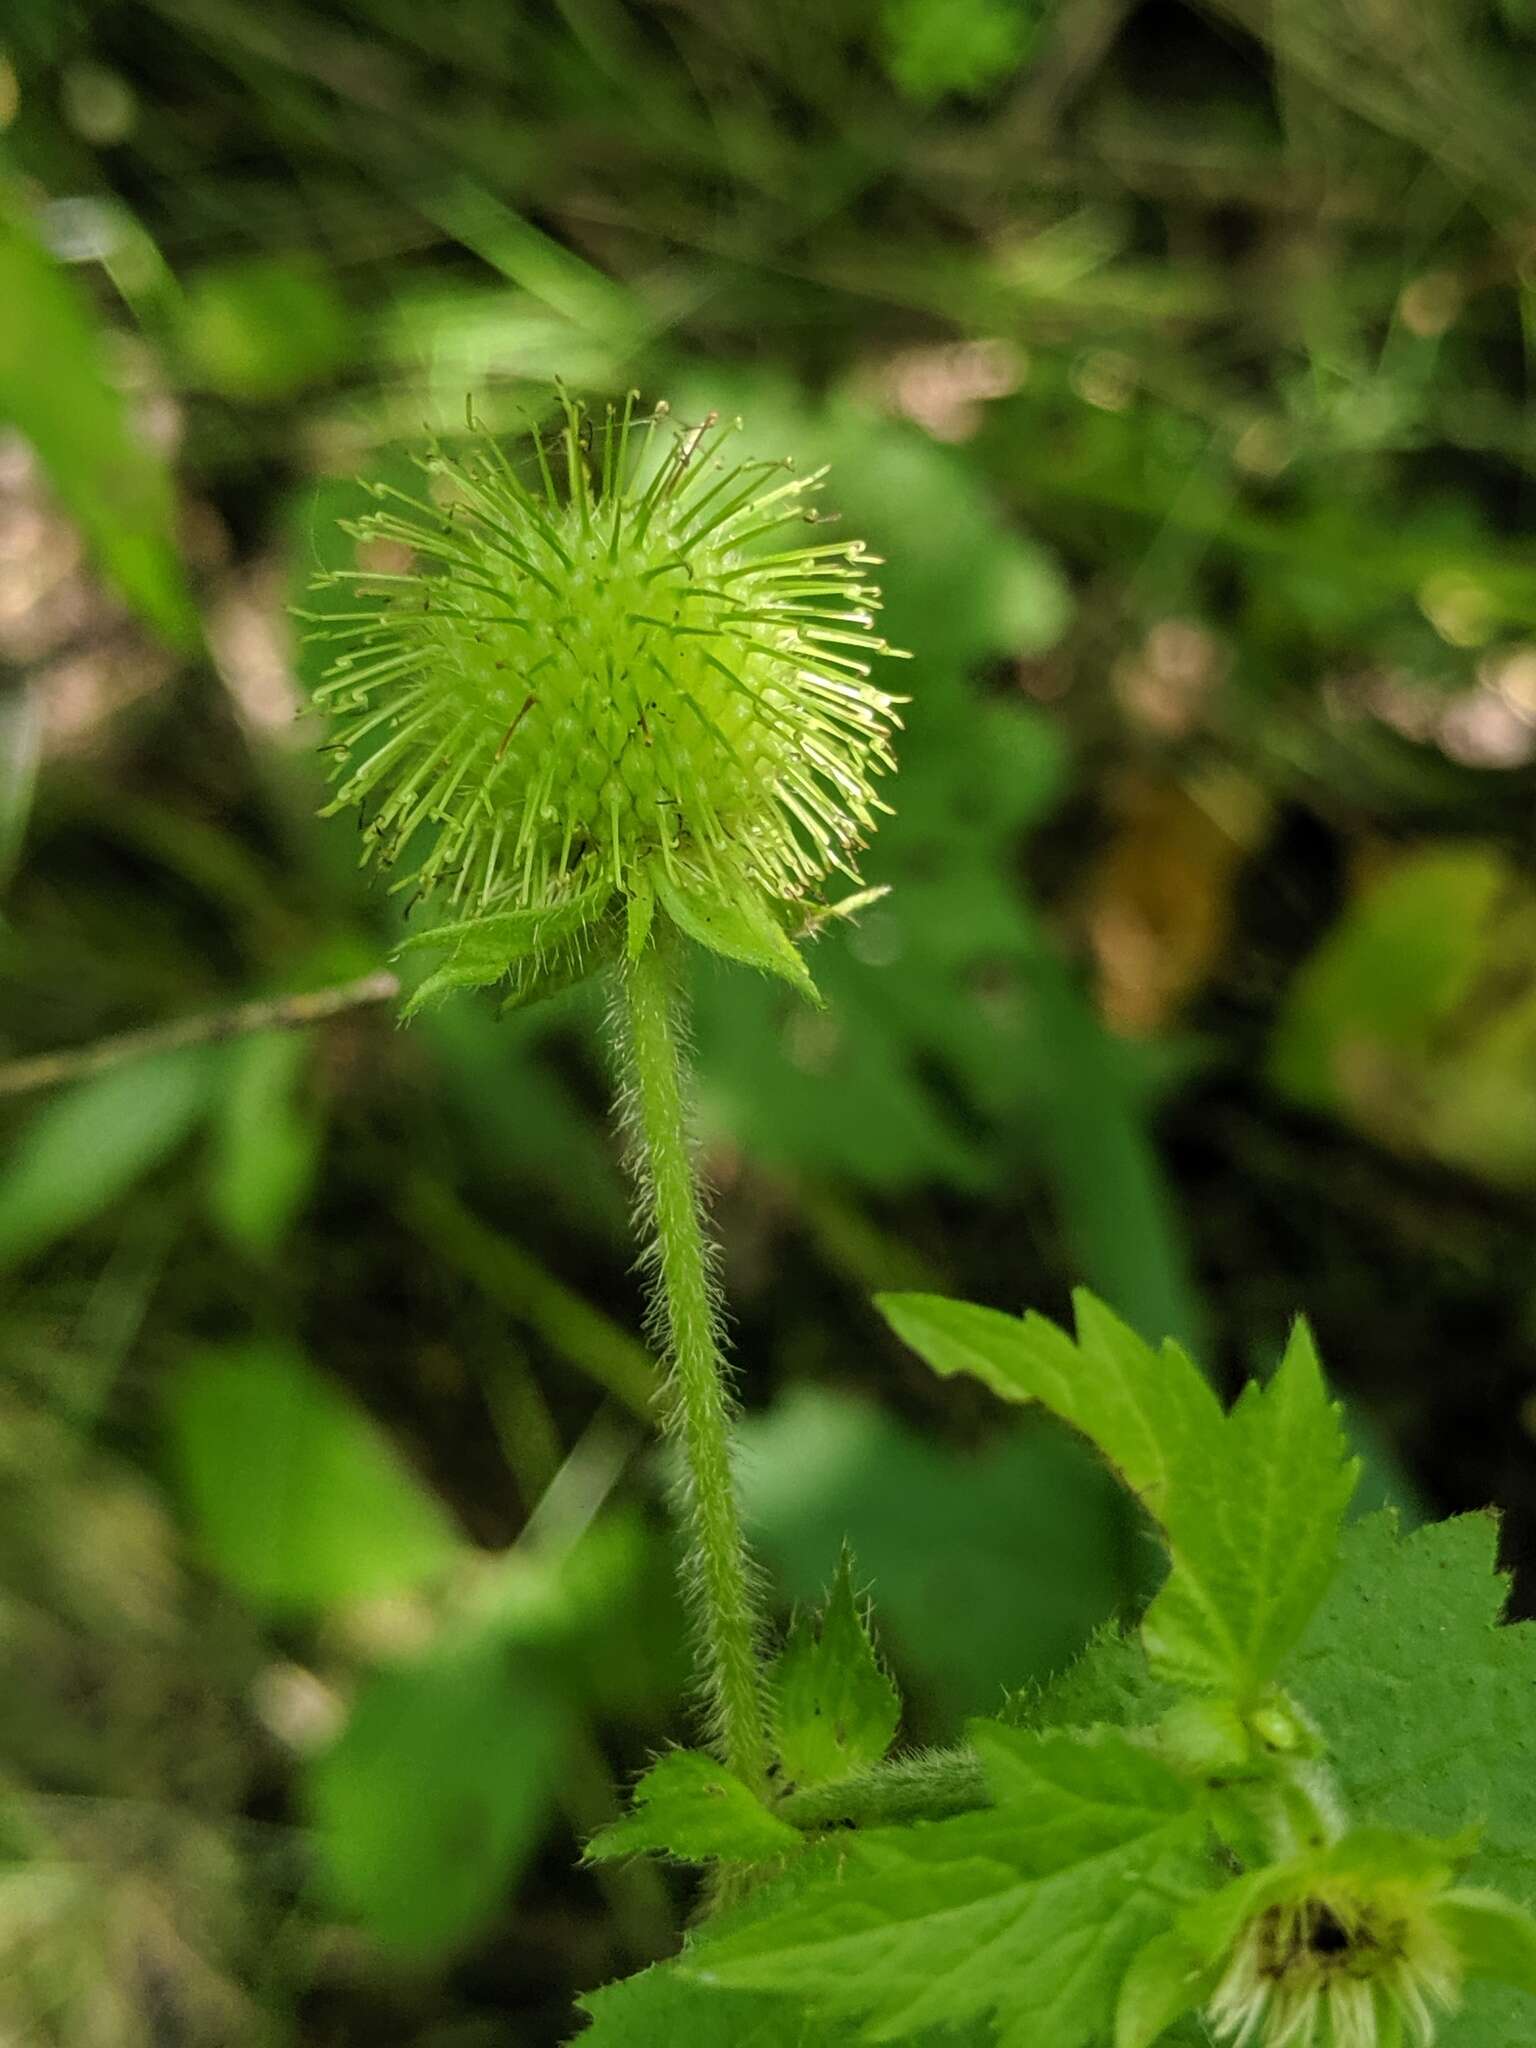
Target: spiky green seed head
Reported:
[(615, 674)]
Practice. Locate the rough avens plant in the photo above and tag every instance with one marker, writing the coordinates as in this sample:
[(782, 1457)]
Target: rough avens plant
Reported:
[(596, 719), (611, 699)]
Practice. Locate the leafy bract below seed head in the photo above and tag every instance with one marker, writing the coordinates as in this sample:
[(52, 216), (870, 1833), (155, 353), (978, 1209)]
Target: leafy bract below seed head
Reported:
[(618, 669)]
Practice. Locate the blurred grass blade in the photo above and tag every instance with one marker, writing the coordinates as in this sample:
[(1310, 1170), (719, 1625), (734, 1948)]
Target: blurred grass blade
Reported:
[(296, 1497), (505, 1273), (55, 388), (21, 742), (87, 1147)]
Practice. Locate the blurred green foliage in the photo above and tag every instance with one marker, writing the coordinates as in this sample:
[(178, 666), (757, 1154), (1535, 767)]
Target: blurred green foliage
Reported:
[(1178, 359)]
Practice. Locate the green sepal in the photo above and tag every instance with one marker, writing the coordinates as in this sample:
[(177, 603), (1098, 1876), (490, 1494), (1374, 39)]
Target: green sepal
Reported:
[(691, 1808), (535, 981), (738, 927), (487, 948), (835, 1708), (1496, 1937), (639, 914), (530, 925), (822, 914), (1167, 1979)]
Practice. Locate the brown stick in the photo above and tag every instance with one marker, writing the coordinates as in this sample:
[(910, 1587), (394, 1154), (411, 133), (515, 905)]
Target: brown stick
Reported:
[(276, 1013)]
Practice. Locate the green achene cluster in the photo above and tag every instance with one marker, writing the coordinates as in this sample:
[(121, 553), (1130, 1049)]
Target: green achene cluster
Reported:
[(554, 692)]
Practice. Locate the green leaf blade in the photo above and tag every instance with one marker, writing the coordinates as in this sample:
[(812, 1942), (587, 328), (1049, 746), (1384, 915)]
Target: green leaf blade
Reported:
[(1255, 1535), (1425, 1699), (1250, 1504), (546, 945)]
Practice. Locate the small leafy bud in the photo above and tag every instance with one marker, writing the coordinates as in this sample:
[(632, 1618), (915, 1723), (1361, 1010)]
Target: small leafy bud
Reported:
[(564, 705)]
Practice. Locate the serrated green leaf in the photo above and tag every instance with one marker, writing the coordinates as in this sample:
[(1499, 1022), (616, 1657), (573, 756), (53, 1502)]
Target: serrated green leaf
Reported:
[(1250, 1503), (1028, 1913), (428, 1803), (664, 2008), (689, 1806), (1151, 1414), (1426, 1703), (739, 927), (1254, 1535), (835, 1708), (526, 928), (1093, 1787), (1110, 1682), (295, 1495)]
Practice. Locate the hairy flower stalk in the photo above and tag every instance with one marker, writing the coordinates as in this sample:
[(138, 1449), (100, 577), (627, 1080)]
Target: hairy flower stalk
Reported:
[(589, 705), (685, 1315)]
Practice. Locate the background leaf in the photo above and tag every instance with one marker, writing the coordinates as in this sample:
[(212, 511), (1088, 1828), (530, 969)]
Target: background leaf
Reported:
[(54, 386), (434, 1794), (86, 1146), (266, 1140), (985, 1567), (296, 1496)]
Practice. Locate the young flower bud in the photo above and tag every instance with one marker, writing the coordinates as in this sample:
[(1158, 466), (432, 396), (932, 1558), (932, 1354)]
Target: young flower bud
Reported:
[(561, 704), (1342, 1957), (1363, 1944)]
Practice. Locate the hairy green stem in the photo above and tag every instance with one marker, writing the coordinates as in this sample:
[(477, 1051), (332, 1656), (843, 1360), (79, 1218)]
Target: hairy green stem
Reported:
[(697, 1401), (932, 1785)]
